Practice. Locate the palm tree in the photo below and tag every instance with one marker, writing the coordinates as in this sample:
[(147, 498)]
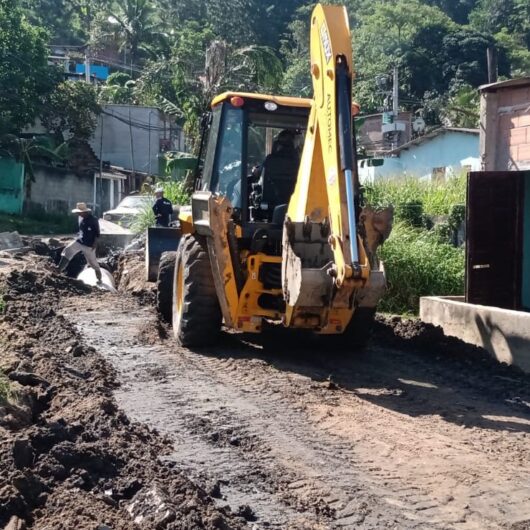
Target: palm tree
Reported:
[(135, 25)]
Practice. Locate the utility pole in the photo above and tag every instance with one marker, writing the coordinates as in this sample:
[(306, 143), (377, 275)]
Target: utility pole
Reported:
[(492, 64), (87, 66), (395, 92)]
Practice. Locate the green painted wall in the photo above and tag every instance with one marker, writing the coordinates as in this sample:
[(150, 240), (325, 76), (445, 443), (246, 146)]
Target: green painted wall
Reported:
[(11, 186)]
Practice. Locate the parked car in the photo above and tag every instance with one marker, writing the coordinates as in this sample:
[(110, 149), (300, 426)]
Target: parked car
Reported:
[(128, 209)]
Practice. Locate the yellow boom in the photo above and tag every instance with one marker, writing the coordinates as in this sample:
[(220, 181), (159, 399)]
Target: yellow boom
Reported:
[(319, 286)]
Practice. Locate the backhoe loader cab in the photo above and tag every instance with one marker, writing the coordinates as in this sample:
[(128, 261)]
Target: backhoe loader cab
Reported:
[(276, 232), (252, 155)]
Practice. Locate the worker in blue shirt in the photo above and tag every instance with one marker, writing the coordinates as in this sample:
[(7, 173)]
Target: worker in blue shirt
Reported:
[(86, 240), (163, 209)]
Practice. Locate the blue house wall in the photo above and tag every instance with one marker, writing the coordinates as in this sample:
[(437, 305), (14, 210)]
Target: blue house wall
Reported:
[(450, 149)]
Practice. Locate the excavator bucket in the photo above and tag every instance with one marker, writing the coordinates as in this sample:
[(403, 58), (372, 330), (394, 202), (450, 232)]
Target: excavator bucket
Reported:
[(158, 241)]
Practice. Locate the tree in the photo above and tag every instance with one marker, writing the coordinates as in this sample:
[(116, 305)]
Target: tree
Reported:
[(385, 38), (458, 10), (59, 17), (295, 50), (71, 107), (465, 58), (25, 78), (517, 51), (135, 25), (119, 88)]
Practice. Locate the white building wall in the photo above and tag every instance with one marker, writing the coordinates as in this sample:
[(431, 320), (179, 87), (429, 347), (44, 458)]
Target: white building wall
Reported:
[(452, 150), (132, 137)]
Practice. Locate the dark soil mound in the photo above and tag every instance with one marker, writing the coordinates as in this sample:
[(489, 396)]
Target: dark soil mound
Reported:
[(69, 458)]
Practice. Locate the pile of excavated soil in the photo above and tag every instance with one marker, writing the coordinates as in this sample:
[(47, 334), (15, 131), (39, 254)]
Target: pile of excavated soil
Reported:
[(131, 277), (427, 339), (69, 458)]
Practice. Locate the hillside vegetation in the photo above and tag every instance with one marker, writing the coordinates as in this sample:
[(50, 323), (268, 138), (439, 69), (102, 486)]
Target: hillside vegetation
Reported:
[(178, 54)]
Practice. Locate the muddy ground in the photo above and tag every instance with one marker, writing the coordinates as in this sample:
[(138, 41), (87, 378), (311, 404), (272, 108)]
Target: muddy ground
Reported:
[(117, 427), (69, 457)]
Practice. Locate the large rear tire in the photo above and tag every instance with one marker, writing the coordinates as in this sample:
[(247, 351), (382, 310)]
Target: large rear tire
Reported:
[(164, 285), (196, 313)]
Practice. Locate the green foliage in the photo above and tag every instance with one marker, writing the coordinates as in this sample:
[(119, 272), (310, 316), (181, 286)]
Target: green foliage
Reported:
[(143, 220), (134, 24), (175, 191), (25, 77), (180, 54), (28, 150), (71, 107), (119, 88), (436, 198), (418, 264), (517, 50), (419, 259)]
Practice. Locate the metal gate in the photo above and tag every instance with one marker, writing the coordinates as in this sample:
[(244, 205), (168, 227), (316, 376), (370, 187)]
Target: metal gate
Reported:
[(494, 249)]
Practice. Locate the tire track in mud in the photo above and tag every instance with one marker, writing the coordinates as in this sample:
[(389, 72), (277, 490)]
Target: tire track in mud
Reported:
[(364, 450)]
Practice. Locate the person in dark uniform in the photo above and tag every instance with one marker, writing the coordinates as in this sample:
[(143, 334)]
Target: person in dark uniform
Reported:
[(86, 240), (162, 208)]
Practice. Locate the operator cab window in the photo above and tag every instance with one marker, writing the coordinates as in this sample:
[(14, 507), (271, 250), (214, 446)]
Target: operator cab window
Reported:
[(274, 149), (226, 166)]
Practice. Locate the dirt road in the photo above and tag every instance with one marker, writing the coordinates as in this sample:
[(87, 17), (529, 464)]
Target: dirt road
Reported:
[(294, 438)]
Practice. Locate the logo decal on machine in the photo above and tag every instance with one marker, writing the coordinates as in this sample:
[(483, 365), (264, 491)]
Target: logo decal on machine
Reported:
[(326, 42)]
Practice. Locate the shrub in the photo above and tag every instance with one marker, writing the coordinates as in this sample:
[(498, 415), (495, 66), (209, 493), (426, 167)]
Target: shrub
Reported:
[(175, 191), (418, 264)]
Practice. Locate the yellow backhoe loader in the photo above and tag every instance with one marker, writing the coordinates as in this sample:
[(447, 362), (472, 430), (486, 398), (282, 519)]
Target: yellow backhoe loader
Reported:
[(276, 231)]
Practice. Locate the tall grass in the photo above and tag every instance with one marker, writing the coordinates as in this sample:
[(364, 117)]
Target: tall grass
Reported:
[(418, 264), (419, 258), (436, 197)]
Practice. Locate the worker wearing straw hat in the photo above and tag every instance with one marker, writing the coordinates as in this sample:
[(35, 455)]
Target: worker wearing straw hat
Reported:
[(86, 240)]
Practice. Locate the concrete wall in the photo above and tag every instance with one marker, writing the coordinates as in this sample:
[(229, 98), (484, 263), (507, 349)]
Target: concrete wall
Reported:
[(57, 190), (502, 332), (132, 137), (450, 149), (505, 128)]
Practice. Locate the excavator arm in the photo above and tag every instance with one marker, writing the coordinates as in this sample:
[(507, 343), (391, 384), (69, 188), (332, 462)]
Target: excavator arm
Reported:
[(324, 260)]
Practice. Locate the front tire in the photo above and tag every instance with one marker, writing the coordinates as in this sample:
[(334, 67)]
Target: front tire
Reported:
[(196, 312)]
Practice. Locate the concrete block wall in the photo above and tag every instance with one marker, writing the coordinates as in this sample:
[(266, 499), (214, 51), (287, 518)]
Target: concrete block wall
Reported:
[(505, 129), (57, 190)]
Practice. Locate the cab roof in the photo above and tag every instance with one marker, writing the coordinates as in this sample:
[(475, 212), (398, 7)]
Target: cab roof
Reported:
[(279, 100)]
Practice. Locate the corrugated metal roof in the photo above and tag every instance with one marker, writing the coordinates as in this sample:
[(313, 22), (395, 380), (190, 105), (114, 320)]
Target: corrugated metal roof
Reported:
[(492, 87)]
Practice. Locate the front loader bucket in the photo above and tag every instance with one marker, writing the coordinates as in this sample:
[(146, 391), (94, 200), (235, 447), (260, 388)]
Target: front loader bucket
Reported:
[(158, 241)]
